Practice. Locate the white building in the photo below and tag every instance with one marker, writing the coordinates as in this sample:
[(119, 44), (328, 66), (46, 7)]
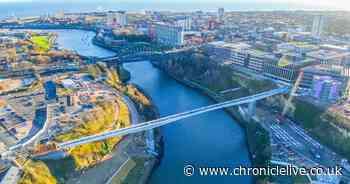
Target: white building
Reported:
[(110, 19), (169, 34), (317, 26), (117, 18), (121, 18)]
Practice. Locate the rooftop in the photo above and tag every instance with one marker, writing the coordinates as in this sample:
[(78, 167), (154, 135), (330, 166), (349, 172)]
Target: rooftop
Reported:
[(242, 47), (335, 47), (326, 54), (324, 70), (304, 45)]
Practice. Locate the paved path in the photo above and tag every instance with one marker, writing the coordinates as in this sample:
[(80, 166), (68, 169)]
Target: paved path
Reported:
[(100, 173)]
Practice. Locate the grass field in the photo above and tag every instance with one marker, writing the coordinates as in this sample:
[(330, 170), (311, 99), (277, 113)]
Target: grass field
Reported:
[(41, 43), (100, 120), (36, 172)]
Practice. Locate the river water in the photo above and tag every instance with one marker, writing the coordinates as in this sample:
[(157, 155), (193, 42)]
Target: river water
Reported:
[(211, 139)]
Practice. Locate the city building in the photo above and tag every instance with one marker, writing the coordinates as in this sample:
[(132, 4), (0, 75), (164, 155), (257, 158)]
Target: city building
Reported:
[(329, 57), (286, 68), (121, 18), (221, 14), (185, 23), (317, 26), (110, 19), (217, 51), (50, 90), (169, 34), (117, 19), (296, 48), (243, 55), (325, 88), (310, 72), (151, 31)]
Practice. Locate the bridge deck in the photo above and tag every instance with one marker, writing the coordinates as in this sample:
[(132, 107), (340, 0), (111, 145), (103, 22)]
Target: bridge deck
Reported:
[(170, 119)]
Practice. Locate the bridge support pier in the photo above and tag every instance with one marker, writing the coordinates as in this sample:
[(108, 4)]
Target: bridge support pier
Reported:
[(251, 110)]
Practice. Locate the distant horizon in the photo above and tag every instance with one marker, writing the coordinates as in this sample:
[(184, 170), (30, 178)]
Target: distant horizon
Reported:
[(29, 7)]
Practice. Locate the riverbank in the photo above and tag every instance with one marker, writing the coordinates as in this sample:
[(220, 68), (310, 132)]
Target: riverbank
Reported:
[(131, 147), (190, 140), (145, 164), (251, 128), (155, 168)]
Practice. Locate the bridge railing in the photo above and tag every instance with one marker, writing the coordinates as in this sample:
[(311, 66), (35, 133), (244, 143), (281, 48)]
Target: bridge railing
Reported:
[(168, 119)]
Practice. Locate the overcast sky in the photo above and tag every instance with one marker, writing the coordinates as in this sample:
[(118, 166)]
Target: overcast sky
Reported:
[(327, 4)]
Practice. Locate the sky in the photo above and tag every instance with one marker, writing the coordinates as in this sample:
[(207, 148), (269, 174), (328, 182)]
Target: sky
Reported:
[(307, 4)]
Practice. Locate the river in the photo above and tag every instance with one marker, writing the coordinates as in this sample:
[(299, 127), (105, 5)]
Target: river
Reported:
[(211, 139)]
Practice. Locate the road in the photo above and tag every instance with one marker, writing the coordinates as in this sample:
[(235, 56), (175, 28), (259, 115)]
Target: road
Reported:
[(101, 173), (292, 144)]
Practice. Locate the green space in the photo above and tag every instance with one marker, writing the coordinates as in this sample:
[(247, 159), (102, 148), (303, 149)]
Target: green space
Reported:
[(41, 43), (36, 172), (199, 69), (259, 145), (322, 126), (102, 118)]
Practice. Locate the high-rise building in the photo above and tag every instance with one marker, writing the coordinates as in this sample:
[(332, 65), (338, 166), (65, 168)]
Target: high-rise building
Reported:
[(169, 34), (186, 23), (121, 18), (110, 19), (117, 18), (221, 13), (317, 26)]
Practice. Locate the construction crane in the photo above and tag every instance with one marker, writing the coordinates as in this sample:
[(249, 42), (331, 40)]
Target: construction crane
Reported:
[(288, 103)]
